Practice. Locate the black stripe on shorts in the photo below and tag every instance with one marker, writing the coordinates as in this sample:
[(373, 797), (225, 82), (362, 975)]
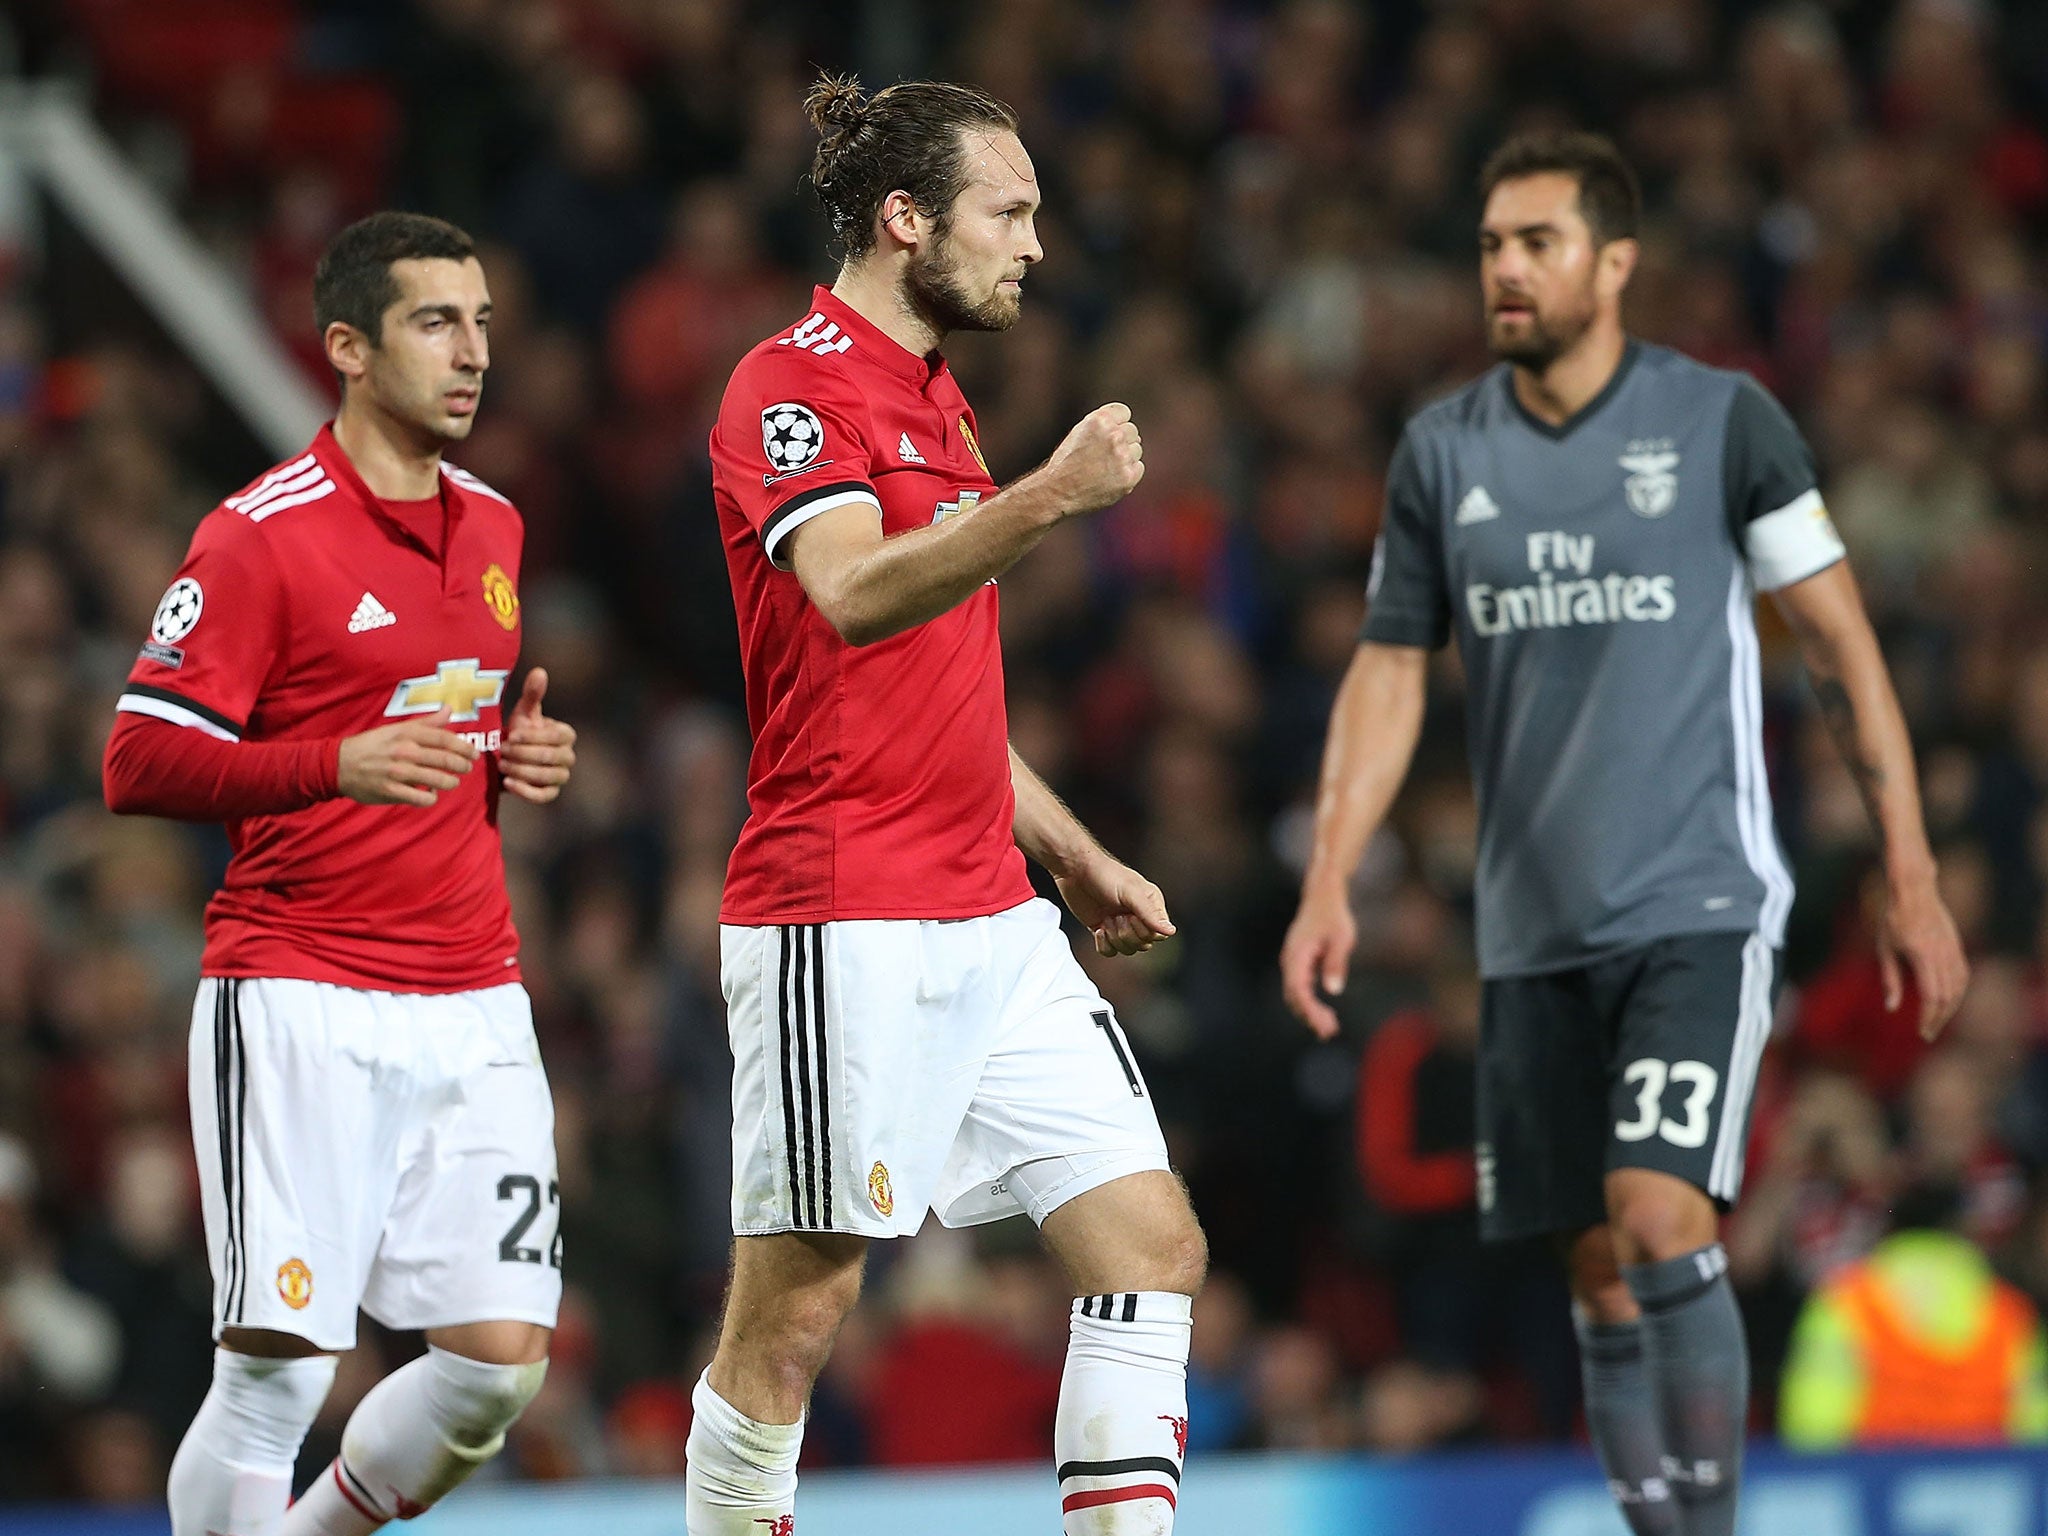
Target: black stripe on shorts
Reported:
[(788, 1084)]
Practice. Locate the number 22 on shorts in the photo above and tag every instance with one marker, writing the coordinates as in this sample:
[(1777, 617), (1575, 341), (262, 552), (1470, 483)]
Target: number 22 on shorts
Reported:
[(1649, 1076)]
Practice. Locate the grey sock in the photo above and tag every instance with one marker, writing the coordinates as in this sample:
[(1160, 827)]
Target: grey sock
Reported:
[(1621, 1413), (1699, 1364)]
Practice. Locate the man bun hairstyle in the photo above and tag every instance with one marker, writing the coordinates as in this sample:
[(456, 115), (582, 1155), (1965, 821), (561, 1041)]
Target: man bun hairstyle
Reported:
[(1610, 198), (905, 137), (353, 283)]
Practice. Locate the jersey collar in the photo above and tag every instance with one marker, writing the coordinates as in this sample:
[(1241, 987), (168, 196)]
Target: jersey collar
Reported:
[(1584, 413), (879, 347), (335, 460)]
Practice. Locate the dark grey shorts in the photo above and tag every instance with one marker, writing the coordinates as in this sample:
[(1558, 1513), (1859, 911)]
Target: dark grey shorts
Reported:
[(1642, 1060)]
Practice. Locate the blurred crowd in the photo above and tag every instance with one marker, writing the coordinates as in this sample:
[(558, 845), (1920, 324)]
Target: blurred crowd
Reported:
[(1259, 233)]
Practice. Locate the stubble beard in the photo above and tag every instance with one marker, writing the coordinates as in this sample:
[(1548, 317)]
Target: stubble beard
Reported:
[(433, 420), (936, 296), (1544, 341)]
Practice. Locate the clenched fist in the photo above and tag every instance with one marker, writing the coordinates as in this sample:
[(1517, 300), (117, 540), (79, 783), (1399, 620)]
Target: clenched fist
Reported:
[(1101, 461)]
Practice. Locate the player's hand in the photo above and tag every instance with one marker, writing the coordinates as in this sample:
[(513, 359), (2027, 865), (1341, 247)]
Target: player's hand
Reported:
[(1918, 935), (411, 763), (1119, 906), (1317, 951), (1100, 462), (536, 753)]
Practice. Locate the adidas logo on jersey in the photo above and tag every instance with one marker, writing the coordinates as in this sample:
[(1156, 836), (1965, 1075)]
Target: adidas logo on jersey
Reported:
[(1477, 507), (906, 450), (370, 614)]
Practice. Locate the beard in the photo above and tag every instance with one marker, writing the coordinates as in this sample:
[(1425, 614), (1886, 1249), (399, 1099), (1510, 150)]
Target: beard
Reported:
[(1543, 338), (937, 295)]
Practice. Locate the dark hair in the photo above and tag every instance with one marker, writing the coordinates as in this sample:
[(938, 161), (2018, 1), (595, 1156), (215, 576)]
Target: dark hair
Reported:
[(905, 137), (1610, 199), (353, 283)]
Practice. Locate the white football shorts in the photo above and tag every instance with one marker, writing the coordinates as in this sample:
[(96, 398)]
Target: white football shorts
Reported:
[(393, 1151), (883, 1069)]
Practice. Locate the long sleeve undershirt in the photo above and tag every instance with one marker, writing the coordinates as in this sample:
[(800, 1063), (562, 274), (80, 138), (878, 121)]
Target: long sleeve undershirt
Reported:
[(155, 768)]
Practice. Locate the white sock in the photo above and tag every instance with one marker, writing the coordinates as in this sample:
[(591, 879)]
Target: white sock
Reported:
[(1121, 1437), (742, 1473), (232, 1475), (415, 1435)]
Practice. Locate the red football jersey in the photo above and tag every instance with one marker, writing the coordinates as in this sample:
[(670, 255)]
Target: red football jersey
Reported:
[(880, 780), (305, 610)]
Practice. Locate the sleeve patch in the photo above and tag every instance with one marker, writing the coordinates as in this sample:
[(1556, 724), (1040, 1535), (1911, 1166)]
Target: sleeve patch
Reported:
[(793, 438), (178, 613), (1794, 542)]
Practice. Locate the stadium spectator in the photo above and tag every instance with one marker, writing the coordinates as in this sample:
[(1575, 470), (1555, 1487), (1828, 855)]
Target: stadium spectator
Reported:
[(1919, 1343)]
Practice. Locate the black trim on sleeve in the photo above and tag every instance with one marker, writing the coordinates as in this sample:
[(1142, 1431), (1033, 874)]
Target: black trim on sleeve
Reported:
[(1407, 601), (166, 696), (779, 518)]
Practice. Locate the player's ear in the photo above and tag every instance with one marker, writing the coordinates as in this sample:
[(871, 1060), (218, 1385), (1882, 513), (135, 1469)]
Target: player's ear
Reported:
[(348, 350), (1617, 265), (902, 225)]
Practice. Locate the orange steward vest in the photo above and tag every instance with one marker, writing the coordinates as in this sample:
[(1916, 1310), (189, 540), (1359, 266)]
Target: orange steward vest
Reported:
[(1915, 1390)]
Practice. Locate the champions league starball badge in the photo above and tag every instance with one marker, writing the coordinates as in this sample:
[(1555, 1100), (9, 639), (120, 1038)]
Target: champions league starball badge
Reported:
[(178, 612), (791, 436)]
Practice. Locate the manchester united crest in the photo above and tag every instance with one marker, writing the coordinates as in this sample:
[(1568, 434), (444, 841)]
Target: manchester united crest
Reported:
[(295, 1283), (501, 597), (879, 1190), (973, 445)]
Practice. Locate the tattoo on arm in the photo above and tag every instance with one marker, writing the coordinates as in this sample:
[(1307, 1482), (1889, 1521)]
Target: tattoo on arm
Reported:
[(1839, 712)]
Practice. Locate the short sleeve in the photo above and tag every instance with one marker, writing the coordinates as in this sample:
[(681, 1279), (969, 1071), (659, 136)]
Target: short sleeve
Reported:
[(1775, 509), (216, 635), (791, 444), (1406, 600)]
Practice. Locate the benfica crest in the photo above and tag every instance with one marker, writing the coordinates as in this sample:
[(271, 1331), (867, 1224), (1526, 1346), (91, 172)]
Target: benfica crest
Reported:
[(1652, 482)]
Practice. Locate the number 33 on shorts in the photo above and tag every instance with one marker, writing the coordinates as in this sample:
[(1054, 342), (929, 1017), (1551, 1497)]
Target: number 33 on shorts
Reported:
[(1650, 1077)]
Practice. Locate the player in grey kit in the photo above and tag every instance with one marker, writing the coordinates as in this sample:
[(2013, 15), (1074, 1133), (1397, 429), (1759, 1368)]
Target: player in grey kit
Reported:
[(1592, 519)]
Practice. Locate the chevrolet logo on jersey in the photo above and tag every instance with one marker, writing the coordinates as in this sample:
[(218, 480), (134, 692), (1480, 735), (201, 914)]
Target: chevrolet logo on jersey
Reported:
[(462, 686), (967, 501)]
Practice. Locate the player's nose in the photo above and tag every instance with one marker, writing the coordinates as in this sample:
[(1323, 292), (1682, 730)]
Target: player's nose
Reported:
[(474, 350)]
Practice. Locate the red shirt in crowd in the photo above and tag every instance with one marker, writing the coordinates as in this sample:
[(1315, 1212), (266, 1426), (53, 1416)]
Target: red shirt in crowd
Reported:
[(306, 611), (1415, 1120), (879, 785)]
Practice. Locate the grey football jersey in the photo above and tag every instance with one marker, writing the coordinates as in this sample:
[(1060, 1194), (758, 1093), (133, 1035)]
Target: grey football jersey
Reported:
[(1601, 579)]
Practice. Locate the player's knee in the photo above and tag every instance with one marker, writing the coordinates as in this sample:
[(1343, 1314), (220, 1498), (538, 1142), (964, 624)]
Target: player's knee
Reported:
[(1186, 1259), (1604, 1298), (813, 1319), (1658, 1221), (806, 1322), (477, 1402), (1593, 1275)]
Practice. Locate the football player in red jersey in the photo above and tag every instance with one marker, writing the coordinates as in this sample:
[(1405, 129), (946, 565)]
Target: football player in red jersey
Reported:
[(327, 675), (911, 1031)]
